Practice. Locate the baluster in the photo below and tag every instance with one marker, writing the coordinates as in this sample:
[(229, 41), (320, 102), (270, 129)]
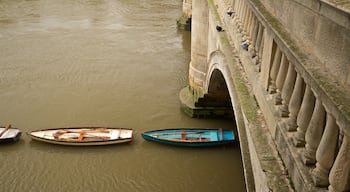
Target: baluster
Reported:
[(326, 152), (236, 9), (274, 70), (314, 133), (246, 16), (287, 90), (236, 6), (240, 11), (243, 10), (251, 24), (304, 117), (295, 103), (281, 77), (339, 177), (246, 22), (261, 50), (340, 138), (245, 19), (259, 39), (255, 33)]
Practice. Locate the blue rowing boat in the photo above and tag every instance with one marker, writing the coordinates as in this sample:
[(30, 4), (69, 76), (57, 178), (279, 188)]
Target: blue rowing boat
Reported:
[(191, 137)]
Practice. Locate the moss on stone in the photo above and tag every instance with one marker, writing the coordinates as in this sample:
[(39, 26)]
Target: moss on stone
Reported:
[(214, 10), (344, 4), (184, 23), (224, 40), (247, 101)]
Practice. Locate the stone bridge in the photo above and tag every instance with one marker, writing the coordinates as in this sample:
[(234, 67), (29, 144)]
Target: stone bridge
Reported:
[(282, 70)]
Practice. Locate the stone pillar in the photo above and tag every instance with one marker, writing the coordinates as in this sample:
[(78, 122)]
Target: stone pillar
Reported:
[(287, 90), (274, 70), (281, 77), (198, 65), (314, 133), (339, 177), (187, 8), (326, 152), (184, 22), (199, 44), (304, 117)]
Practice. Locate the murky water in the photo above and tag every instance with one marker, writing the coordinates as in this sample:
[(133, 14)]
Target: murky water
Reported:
[(117, 63)]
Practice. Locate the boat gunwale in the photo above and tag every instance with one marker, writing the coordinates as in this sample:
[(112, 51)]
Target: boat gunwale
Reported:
[(188, 142), (197, 129)]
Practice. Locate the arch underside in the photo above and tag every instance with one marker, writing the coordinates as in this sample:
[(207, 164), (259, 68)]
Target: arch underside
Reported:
[(217, 94), (216, 98)]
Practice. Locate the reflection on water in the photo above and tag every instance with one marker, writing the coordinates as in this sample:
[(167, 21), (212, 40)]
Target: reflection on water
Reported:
[(102, 63)]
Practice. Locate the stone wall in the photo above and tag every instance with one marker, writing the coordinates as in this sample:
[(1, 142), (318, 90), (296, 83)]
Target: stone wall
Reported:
[(322, 29)]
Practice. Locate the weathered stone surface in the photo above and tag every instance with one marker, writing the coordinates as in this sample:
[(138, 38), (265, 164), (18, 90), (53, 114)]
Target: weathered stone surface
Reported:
[(314, 39)]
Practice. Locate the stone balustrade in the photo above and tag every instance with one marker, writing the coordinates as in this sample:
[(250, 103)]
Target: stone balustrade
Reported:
[(315, 128)]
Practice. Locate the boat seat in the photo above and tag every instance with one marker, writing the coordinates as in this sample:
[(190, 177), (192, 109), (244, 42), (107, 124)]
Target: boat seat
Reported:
[(115, 134), (125, 134), (183, 135)]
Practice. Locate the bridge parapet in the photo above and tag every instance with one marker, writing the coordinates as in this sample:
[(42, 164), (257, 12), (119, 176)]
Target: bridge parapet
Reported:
[(306, 108), (295, 57)]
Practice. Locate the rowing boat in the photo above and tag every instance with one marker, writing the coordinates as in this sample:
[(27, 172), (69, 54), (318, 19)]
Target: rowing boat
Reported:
[(83, 136), (8, 134), (191, 137)]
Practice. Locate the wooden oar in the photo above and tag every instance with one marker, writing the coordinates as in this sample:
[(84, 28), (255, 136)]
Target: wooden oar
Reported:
[(87, 135), (189, 139), (6, 128), (101, 130), (177, 133), (81, 136)]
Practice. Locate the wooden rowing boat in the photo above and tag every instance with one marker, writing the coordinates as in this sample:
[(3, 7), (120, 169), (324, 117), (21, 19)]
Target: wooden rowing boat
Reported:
[(191, 137), (8, 134), (83, 136)]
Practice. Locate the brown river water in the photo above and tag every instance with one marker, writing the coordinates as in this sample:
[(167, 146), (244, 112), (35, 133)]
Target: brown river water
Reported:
[(117, 63)]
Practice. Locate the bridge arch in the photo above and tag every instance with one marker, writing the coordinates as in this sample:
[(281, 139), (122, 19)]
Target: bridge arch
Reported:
[(219, 84), (218, 81)]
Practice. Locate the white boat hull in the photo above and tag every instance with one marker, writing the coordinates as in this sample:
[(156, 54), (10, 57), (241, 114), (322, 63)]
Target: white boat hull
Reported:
[(83, 136), (9, 135)]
